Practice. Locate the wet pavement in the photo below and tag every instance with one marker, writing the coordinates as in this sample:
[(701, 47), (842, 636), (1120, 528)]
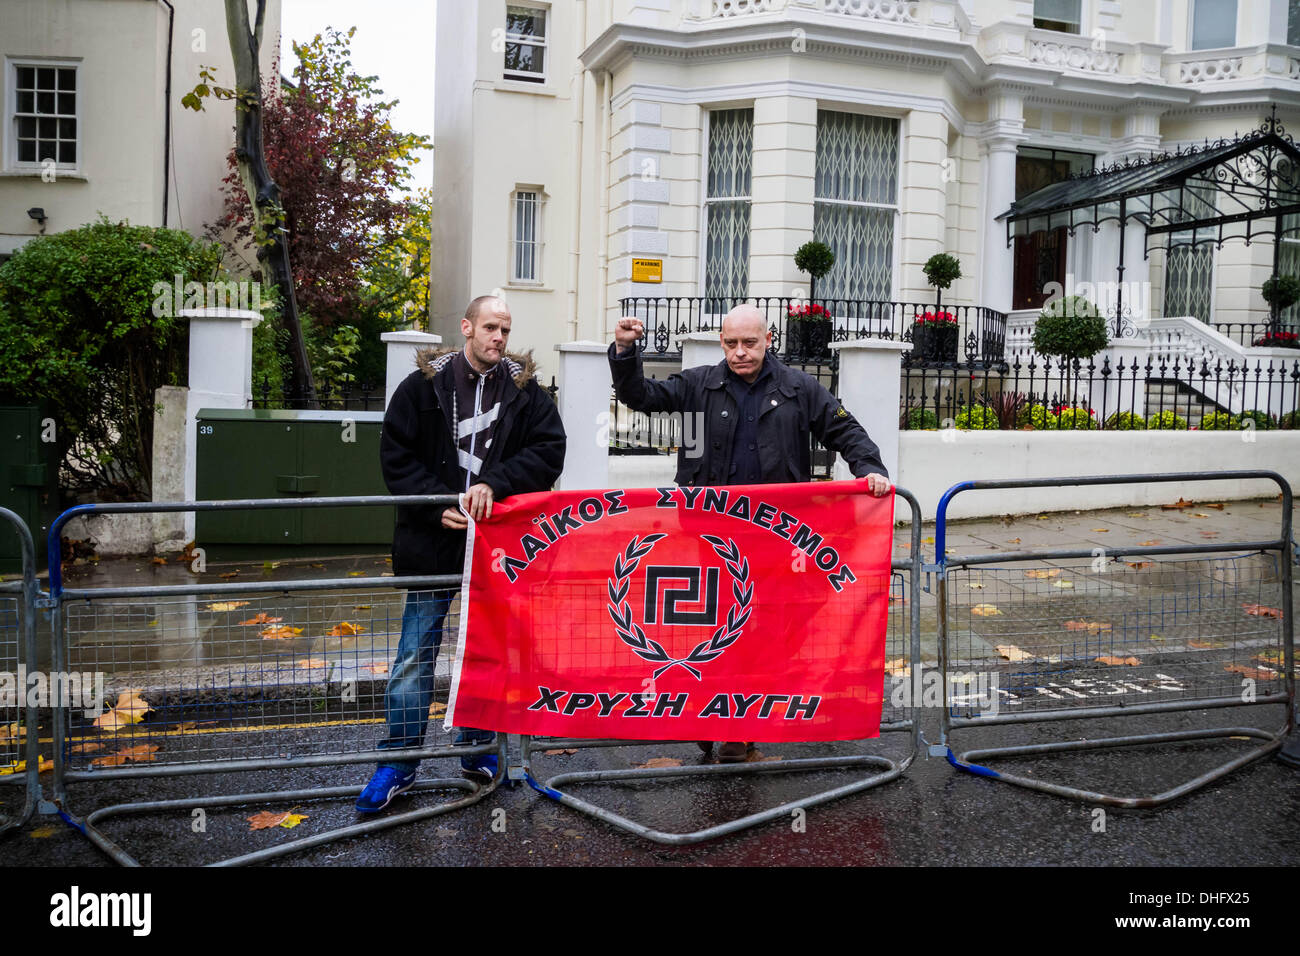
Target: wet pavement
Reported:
[(198, 666)]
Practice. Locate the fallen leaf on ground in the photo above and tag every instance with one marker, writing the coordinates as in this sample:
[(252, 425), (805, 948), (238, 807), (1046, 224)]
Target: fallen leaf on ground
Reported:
[(229, 574), (1149, 544), (260, 618), (356, 574), (311, 663), (1140, 565), (376, 668), (292, 820), (1204, 645), (1137, 514), (267, 819), (1200, 514), (928, 540), (1118, 661), (437, 709), (280, 632), (1063, 585), (40, 833), (1041, 518), (1156, 637), (1013, 653), (557, 753), (985, 610), (1177, 505), (270, 565), (45, 765), (87, 747), (158, 561), (1209, 534), (345, 629), (129, 709), (1217, 504), (897, 667), (1255, 673), (1259, 610), (318, 567), (1043, 573), (1102, 530), (655, 762), (1013, 541), (140, 753), (387, 574), (12, 731), (975, 586), (361, 607), (756, 756), (227, 605), (1270, 657), (1092, 627)]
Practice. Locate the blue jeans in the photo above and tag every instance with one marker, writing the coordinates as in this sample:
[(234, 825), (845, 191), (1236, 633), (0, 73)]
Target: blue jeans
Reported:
[(410, 685)]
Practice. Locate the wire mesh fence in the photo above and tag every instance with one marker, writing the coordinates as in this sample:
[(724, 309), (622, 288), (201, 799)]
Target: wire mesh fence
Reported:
[(1060, 635), (190, 679), (13, 727)]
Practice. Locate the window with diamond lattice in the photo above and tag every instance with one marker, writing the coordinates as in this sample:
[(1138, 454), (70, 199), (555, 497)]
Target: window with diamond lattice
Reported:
[(1189, 272), (727, 199), (856, 203)]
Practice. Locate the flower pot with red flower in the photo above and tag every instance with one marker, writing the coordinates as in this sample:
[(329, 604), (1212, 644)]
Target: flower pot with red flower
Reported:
[(808, 332), (1279, 340), (934, 337)]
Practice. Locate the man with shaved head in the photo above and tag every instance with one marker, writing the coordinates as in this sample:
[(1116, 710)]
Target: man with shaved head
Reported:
[(758, 415)]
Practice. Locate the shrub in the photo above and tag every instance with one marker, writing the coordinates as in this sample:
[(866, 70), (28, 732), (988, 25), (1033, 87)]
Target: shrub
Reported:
[(83, 330), (1290, 420), (1076, 418), (1070, 328), (941, 270), (814, 258), (1263, 420), (1166, 421), (979, 417), (1220, 421), (1126, 421), (1037, 417), (1281, 292), (921, 418)]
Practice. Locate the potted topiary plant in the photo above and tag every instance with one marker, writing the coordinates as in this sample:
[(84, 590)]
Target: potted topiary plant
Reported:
[(941, 270), (1070, 328), (1280, 292), (934, 337), (809, 328)]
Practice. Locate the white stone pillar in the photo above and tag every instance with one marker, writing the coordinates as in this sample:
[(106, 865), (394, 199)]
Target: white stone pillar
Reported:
[(701, 348), (585, 410), (221, 375), (869, 375), (997, 262), (400, 357), (781, 208), (168, 480)]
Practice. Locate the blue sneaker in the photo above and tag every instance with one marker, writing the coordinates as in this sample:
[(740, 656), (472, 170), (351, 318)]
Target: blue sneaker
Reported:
[(387, 783), (481, 767)]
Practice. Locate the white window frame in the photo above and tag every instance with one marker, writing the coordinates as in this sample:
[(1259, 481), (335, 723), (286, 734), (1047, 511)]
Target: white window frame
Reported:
[(1083, 13), (706, 200), (895, 207), (520, 39), (1191, 27), (10, 133), (537, 241)]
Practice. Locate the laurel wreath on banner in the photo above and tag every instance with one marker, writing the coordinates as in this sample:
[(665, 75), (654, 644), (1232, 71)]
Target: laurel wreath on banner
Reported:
[(630, 632)]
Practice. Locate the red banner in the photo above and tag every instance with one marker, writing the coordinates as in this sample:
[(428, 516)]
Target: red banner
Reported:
[(739, 613)]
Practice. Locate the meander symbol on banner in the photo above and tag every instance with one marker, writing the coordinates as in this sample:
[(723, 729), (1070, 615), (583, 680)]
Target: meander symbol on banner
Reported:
[(661, 604)]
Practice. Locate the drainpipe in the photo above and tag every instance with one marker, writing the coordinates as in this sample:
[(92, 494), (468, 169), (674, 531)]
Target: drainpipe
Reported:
[(167, 111), (603, 254), (575, 248)]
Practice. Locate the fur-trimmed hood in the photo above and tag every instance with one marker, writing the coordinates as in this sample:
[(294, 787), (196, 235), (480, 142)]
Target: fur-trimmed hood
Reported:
[(431, 361)]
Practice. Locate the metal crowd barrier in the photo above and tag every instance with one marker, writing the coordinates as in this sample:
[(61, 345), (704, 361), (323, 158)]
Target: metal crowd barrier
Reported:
[(1032, 636), (20, 723), (902, 644), (231, 675)]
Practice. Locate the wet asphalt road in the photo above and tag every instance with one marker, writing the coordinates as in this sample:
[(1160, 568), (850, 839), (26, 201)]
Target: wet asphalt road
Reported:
[(933, 815)]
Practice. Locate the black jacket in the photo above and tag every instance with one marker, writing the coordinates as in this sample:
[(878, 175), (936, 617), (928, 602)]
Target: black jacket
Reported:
[(419, 457), (794, 405)]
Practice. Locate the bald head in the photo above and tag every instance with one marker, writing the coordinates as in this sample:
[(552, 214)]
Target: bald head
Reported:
[(745, 340)]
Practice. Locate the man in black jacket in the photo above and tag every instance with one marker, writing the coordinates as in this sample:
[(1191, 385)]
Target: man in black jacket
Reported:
[(469, 421), (756, 416)]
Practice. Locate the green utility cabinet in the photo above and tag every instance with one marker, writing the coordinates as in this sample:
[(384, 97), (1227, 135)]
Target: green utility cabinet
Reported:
[(29, 474), (267, 453)]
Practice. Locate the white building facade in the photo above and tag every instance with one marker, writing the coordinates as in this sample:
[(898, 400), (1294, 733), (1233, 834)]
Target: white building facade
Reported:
[(575, 137), (93, 123)]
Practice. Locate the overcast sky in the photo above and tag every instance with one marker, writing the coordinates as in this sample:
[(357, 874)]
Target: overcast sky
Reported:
[(394, 41)]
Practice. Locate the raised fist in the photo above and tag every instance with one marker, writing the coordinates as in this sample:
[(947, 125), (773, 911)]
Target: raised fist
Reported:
[(628, 331)]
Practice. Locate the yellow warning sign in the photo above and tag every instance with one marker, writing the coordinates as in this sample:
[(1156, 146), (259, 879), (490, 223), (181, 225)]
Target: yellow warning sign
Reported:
[(647, 270)]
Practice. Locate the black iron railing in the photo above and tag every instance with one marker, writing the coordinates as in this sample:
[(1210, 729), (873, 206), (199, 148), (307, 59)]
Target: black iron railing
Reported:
[(983, 331), (1050, 394)]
